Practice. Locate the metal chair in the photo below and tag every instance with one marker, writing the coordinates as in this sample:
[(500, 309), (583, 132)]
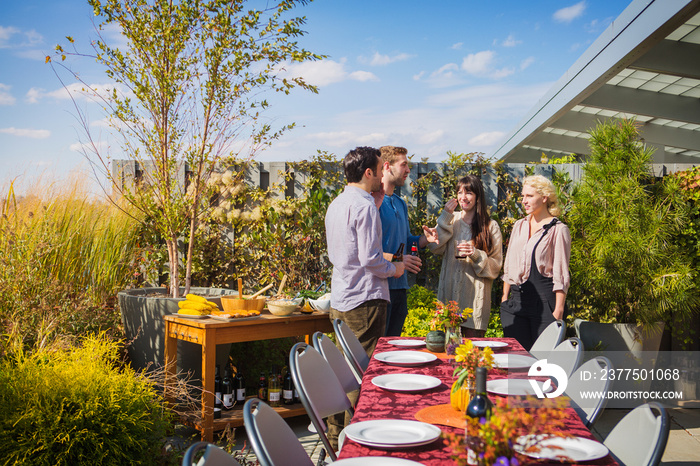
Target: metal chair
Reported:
[(213, 456), (338, 362), (589, 409), (549, 339), (352, 348), (640, 437), (568, 355), (319, 389), (273, 441)]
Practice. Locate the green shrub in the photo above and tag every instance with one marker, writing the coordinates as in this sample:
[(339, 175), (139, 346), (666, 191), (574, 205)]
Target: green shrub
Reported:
[(421, 304), (495, 329), (70, 407)]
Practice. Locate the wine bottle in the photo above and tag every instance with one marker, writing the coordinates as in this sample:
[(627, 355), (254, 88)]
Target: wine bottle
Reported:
[(288, 389), (227, 390), (262, 387), (240, 387), (274, 391), (398, 255), (217, 388), (479, 407)]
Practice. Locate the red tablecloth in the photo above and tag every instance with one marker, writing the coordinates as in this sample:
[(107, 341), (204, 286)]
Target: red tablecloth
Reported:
[(376, 403)]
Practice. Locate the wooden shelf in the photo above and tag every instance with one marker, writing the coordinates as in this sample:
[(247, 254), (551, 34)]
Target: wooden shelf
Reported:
[(234, 417)]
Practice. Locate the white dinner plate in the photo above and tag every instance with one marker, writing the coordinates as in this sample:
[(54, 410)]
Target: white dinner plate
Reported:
[(392, 433), (190, 316), (490, 343), (565, 450), (374, 461), (513, 387), (406, 382), (407, 343), (513, 361), (405, 358)]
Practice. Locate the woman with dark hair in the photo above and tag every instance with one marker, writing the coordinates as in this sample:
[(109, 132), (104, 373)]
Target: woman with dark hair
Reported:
[(471, 246)]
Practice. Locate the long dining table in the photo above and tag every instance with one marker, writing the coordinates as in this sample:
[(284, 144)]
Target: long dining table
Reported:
[(376, 403)]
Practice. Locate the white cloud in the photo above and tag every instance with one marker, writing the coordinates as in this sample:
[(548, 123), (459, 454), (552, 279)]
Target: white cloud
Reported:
[(445, 71), (570, 13), (479, 63), (417, 77), (510, 41), (13, 37), (27, 133), (457, 46), (324, 72), (526, 63), (380, 60), (5, 97), (5, 34), (363, 76), (482, 64), (486, 139), (431, 137), (76, 90)]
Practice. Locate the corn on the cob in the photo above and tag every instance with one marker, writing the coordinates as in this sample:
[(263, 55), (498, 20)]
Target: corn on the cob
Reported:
[(194, 306), (193, 312), (195, 298)]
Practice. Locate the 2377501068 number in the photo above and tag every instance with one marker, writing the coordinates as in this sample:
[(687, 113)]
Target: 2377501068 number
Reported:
[(640, 374)]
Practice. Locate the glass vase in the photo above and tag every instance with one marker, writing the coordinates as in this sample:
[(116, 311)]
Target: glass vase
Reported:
[(453, 338)]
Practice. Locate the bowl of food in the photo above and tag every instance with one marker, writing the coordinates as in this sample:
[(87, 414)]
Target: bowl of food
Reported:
[(282, 307), (234, 303), (322, 304)]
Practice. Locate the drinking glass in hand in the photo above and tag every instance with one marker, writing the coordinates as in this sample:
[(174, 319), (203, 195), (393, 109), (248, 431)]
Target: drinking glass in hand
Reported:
[(463, 238)]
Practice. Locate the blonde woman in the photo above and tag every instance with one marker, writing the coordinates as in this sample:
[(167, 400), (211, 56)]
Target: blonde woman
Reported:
[(536, 268)]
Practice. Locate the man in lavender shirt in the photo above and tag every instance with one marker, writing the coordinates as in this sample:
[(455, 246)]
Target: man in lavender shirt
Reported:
[(359, 287)]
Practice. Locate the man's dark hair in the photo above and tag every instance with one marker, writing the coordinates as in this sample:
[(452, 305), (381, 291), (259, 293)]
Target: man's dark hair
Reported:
[(358, 161)]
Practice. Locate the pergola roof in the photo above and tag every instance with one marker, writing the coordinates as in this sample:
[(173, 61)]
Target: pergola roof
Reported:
[(646, 66)]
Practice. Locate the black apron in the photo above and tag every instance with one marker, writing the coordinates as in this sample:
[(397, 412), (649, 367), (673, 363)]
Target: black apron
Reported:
[(529, 310)]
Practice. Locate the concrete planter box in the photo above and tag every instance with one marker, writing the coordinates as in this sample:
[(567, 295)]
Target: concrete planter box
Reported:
[(142, 317)]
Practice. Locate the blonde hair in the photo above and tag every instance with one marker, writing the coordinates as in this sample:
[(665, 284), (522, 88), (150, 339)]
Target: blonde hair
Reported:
[(545, 188), (391, 153)]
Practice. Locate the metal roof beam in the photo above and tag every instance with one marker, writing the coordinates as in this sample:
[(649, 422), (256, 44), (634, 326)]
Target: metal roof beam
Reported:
[(560, 142), (649, 103), (671, 57), (656, 134)]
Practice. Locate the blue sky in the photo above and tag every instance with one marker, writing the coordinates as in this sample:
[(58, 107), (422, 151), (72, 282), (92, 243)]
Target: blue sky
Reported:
[(447, 75)]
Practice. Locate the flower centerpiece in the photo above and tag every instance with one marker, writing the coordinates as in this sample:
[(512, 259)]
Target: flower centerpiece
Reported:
[(511, 427), (446, 319), (467, 359)]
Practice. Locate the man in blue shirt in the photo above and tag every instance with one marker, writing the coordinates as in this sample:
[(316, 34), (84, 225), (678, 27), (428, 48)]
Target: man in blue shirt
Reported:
[(395, 230)]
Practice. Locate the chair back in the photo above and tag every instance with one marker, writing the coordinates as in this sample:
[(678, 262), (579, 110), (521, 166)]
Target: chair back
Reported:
[(337, 361), (319, 389), (352, 347), (568, 355), (640, 437), (273, 441), (549, 339), (213, 456), (589, 409)]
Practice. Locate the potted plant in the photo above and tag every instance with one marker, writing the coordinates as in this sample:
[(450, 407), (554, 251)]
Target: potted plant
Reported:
[(626, 272), (467, 359), (444, 332), (185, 102)]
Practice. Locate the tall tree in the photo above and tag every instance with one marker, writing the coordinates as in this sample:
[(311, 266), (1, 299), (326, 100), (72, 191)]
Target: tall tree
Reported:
[(189, 77)]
